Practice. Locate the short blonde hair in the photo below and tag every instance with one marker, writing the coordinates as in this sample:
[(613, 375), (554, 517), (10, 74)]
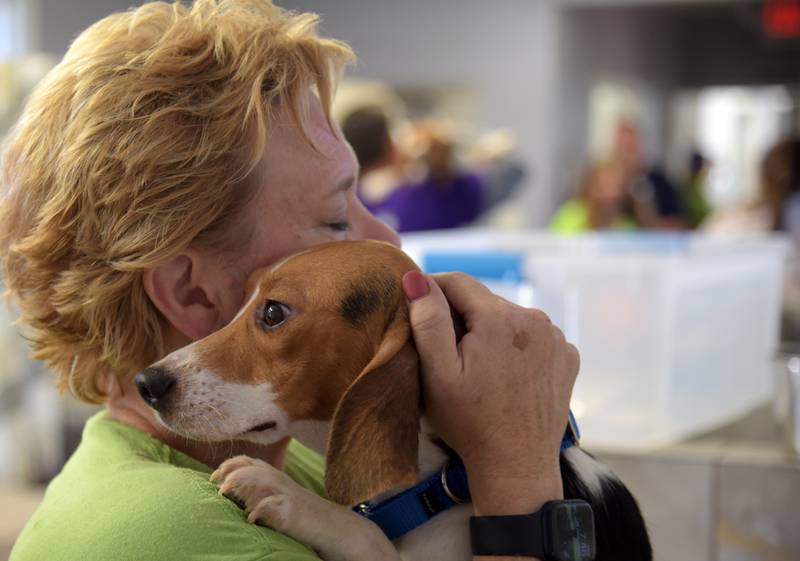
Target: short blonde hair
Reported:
[(136, 145)]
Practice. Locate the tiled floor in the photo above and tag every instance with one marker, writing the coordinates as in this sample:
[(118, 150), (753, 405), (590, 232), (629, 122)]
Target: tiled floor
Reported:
[(676, 499), (759, 514), (731, 495)]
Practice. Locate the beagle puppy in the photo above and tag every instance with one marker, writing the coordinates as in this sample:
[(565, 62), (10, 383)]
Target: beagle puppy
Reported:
[(322, 351)]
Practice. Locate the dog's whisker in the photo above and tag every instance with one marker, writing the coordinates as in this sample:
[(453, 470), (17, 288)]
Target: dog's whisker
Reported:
[(217, 411)]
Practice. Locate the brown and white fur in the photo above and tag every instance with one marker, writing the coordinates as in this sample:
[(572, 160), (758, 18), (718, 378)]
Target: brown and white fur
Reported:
[(341, 374)]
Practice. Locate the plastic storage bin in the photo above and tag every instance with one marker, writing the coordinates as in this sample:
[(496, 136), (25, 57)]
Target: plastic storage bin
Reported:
[(676, 332)]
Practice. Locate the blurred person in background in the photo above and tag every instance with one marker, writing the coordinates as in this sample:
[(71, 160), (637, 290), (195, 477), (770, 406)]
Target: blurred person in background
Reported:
[(693, 193), (430, 192), (776, 209), (600, 205), (382, 165), (777, 206), (781, 187), (655, 203)]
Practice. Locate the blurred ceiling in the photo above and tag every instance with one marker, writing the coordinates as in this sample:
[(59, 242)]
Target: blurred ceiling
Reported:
[(715, 42)]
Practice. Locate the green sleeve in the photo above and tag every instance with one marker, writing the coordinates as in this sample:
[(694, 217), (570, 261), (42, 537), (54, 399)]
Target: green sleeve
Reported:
[(166, 514), (125, 496)]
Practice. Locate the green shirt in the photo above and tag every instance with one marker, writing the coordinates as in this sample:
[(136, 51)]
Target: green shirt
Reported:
[(573, 218), (125, 496)]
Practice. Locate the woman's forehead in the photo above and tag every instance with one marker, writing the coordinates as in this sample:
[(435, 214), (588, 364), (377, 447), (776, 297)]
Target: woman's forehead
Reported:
[(307, 130), (316, 154)]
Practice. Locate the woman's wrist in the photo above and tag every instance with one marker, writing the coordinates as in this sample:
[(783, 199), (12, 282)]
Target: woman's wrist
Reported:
[(499, 496), (505, 495)]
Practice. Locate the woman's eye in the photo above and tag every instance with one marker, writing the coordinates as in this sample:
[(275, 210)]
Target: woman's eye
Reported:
[(275, 314), (339, 226)]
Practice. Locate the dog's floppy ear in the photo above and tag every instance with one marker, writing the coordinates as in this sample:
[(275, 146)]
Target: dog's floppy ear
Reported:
[(373, 439)]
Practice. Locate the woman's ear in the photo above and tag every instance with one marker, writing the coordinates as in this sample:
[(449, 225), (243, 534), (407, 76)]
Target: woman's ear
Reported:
[(186, 295)]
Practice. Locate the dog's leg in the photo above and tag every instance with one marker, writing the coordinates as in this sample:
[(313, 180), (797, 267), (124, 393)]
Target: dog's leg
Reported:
[(274, 499)]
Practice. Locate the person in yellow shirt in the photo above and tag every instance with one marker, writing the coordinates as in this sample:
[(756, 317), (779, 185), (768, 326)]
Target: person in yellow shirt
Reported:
[(600, 205)]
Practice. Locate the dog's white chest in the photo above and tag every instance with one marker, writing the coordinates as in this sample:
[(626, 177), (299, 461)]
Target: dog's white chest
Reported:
[(444, 538)]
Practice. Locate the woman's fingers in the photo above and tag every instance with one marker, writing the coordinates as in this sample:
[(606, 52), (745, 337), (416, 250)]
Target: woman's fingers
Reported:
[(431, 323), (467, 296)]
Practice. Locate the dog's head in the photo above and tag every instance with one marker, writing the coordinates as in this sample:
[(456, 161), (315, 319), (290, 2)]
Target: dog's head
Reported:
[(323, 337)]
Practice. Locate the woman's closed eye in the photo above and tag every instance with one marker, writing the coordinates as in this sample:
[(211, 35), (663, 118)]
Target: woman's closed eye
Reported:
[(339, 226)]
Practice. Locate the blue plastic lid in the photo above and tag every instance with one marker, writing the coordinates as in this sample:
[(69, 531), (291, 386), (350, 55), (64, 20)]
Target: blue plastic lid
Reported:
[(505, 266)]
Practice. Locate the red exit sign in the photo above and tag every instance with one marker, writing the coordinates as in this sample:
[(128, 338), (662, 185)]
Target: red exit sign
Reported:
[(781, 19)]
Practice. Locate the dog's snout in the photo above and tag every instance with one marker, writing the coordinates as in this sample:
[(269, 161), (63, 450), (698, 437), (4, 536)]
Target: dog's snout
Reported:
[(154, 385)]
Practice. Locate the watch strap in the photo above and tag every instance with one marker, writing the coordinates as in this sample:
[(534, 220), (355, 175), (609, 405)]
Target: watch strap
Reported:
[(520, 535)]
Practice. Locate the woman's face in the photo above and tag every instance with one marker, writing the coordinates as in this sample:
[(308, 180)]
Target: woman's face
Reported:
[(305, 197), (606, 188)]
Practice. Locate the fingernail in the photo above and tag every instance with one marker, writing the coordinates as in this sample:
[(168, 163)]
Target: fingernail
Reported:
[(415, 285)]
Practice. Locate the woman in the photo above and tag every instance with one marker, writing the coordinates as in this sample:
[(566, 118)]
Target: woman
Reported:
[(777, 205), (173, 151), (600, 205)]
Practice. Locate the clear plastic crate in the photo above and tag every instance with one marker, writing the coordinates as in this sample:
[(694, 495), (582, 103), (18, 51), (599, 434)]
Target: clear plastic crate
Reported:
[(676, 332)]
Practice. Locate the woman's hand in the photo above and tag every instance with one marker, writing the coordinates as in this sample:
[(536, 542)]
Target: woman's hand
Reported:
[(500, 397)]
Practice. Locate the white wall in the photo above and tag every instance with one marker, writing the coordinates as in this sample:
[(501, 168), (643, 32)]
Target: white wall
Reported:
[(60, 21)]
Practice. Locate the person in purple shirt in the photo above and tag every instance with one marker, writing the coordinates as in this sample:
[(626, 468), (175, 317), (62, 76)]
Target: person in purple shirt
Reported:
[(432, 204), (444, 198)]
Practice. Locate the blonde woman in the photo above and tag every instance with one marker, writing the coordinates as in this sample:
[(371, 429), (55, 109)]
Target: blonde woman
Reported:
[(599, 205), (173, 151)]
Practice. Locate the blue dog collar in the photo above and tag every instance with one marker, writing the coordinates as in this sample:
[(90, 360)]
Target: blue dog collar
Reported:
[(413, 507), (405, 511), (572, 436)]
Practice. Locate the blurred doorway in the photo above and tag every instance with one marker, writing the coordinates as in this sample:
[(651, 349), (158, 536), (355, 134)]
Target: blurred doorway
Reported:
[(733, 127)]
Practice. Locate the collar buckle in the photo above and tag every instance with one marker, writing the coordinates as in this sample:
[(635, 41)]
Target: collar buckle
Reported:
[(363, 508), (452, 496)]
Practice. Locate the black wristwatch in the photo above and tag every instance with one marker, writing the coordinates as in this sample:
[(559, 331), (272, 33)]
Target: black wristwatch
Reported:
[(560, 531)]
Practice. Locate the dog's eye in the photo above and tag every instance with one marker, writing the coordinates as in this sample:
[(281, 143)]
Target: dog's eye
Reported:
[(275, 314)]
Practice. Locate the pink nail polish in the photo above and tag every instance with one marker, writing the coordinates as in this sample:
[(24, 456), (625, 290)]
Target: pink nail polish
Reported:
[(415, 285)]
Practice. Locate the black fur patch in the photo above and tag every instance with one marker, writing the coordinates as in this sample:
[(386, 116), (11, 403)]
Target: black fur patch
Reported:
[(620, 530), (366, 296)]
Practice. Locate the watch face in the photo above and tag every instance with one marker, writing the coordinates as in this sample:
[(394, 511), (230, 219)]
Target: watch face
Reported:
[(571, 532)]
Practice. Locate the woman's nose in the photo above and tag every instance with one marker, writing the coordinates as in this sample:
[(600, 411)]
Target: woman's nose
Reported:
[(368, 227), (383, 232)]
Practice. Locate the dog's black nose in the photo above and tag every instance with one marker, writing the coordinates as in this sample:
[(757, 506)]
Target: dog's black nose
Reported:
[(154, 385)]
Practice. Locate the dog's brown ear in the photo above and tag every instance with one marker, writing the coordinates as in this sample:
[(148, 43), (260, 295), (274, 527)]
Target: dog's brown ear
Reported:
[(373, 440)]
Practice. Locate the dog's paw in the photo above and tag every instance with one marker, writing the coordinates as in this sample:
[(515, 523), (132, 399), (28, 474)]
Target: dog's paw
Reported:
[(250, 481), (276, 511), (321, 524), (272, 498), (232, 464)]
